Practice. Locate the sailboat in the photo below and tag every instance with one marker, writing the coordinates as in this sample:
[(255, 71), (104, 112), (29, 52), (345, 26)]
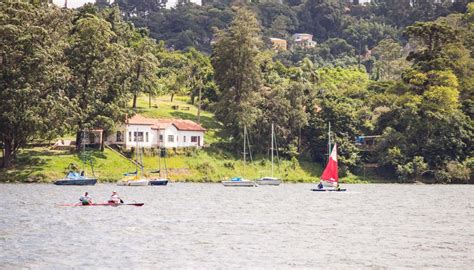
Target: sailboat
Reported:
[(270, 180), (133, 179), (330, 176), (160, 181), (74, 178), (239, 181)]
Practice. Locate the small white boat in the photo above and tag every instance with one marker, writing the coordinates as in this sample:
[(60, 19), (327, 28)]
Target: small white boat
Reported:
[(239, 182), (139, 182), (270, 181)]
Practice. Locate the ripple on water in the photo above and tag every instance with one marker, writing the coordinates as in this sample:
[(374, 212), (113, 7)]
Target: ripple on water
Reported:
[(209, 226)]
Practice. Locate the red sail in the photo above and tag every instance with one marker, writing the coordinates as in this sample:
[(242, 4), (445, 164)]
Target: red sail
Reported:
[(330, 173)]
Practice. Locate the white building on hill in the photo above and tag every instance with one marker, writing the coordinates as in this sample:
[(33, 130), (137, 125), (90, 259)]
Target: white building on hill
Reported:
[(150, 132)]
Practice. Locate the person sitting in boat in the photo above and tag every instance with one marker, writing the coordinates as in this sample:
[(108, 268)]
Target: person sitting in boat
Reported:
[(338, 187), (115, 198), (320, 185), (85, 199)]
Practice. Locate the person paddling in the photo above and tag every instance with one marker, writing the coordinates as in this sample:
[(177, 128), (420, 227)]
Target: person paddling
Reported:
[(85, 199), (115, 198), (320, 185)]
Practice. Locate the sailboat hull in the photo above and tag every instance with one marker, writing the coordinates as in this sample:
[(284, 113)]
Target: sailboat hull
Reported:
[(158, 182), (131, 183), (269, 181), (241, 183)]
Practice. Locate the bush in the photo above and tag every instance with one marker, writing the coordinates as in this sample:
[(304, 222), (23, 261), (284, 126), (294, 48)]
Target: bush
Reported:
[(205, 168), (229, 165), (459, 172)]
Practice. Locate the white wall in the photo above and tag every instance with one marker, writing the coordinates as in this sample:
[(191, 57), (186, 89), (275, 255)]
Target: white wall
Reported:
[(130, 141), (153, 137)]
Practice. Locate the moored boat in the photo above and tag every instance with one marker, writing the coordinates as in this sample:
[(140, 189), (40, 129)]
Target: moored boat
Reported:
[(158, 182), (270, 180), (239, 182), (75, 179)]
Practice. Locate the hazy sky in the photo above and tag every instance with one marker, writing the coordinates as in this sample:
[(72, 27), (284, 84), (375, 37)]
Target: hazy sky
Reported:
[(78, 3)]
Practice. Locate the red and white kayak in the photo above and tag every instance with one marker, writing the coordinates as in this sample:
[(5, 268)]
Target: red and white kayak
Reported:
[(104, 204)]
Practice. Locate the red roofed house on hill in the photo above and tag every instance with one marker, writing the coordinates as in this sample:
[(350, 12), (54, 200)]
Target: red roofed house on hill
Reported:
[(150, 132)]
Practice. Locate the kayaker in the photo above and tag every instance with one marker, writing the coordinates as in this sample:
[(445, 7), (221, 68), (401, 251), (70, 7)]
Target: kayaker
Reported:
[(115, 198), (85, 199), (320, 185), (338, 187)]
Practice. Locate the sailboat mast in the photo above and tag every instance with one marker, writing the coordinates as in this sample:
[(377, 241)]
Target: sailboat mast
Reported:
[(329, 140), (245, 137), (272, 149), (83, 150)]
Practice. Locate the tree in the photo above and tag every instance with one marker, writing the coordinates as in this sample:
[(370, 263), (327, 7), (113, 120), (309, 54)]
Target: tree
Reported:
[(32, 75), (97, 86), (143, 67), (434, 38), (237, 72)]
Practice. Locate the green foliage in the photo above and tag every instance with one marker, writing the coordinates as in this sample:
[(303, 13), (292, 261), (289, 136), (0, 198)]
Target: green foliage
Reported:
[(32, 75), (237, 73)]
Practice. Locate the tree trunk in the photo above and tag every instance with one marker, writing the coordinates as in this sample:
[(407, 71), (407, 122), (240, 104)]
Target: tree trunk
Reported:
[(102, 143), (134, 106), (199, 107), (7, 154), (149, 100), (78, 140), (172, 96)]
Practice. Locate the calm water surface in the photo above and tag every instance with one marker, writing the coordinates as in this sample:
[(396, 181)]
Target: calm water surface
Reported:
[(210, 226)]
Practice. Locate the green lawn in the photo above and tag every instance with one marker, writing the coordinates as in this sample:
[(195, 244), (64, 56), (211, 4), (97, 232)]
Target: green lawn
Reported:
[(162, 108)]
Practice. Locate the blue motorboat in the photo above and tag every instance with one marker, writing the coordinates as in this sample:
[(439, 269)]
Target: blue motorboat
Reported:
[(76, 179)]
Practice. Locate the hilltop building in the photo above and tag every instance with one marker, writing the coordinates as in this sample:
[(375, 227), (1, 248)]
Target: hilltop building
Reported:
[(150, 132), (279, 44), (304, 40)]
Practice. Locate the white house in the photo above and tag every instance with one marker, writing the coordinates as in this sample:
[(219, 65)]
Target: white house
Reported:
[(150, 132)]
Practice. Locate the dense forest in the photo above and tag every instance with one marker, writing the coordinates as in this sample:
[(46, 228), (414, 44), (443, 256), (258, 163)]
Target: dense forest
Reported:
[(399, 69)]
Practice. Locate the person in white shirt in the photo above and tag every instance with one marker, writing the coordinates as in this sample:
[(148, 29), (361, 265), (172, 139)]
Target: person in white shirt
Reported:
[(115, 198), (85, 199)]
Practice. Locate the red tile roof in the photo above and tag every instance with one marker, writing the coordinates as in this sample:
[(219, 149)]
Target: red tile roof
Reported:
[(180, 124)]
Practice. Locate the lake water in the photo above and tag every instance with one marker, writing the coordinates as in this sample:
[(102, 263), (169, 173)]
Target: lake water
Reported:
[(208, 226)]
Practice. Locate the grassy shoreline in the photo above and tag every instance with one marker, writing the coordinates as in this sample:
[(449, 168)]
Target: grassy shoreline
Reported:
[(41, 164)]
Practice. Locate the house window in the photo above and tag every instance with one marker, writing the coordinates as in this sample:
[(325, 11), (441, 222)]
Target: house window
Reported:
[(119, 136), (138, 136), (146, 137), (170, 138), (194, 138), (161, 138), (184, 138), (129, 136)]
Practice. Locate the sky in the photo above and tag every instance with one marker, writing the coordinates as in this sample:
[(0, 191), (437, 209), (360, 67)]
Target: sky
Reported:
[(78, 3)]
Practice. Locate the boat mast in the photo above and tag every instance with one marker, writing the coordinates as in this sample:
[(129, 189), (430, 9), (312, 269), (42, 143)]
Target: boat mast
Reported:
[(245, 136), (272, 149), (83, 151), (329, 140)]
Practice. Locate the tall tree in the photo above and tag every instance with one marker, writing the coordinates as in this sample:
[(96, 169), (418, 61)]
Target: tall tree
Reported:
[(143, 67), (97, 86), (32, 74), (237, 72)]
